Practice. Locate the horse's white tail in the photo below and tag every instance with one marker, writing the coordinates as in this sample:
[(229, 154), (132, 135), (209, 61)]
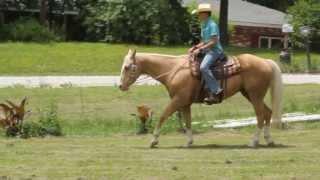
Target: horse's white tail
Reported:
[(276, 94)]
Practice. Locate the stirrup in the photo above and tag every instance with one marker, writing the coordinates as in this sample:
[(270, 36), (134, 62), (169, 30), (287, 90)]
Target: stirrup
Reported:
[(214, 98)]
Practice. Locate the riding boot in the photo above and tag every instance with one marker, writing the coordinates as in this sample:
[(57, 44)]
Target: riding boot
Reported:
[(214, 98)]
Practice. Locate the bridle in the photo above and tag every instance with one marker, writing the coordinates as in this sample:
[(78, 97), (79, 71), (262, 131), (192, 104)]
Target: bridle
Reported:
[(133, 67)]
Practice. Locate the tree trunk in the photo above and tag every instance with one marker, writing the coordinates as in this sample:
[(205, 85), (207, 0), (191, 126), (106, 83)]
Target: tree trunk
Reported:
[(50, 13), (1, 18), (223, 22), (282, 5), (65, 27), (43, 12)]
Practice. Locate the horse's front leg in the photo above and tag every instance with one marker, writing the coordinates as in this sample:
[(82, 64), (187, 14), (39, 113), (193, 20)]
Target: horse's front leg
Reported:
[(186, 114), (169, 110)]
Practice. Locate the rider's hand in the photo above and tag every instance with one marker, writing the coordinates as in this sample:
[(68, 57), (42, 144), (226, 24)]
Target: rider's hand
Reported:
[(191, 50), (196, 51)]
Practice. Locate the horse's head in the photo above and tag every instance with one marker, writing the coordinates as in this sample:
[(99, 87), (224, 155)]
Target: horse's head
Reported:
[(130, 71)]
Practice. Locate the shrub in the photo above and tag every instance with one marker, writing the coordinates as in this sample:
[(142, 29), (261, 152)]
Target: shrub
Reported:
[(31, 129), (305, 13), (27, 30), (48, 124)]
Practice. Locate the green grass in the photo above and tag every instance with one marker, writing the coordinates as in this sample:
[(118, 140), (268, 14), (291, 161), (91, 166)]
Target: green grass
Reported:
[(99, 141), (103, 59), (104, 111), (216, 154)]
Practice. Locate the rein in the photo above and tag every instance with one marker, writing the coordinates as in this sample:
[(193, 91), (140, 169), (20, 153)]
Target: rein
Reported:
[(161, 75)]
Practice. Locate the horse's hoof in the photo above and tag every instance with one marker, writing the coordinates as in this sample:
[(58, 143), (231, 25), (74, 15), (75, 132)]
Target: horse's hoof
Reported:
[(182, 130), (278, 125), (154, 144), (189, 144), (271, 144), (254, 144)]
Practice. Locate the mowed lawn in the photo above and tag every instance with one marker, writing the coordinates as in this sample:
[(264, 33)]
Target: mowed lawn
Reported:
[(106, 110), (216, 154), (99, 139), (104, 59)]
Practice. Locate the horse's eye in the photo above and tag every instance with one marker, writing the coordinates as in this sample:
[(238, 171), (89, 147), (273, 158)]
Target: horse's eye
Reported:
[(134, 68), (126, 67)]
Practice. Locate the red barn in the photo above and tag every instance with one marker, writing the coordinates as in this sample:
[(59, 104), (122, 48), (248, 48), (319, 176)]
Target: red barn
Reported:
[(254, 25)]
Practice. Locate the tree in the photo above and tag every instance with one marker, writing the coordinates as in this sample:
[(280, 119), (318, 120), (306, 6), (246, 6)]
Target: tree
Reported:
[(305, 13), (138, 21), (223, 22), (43, 12)]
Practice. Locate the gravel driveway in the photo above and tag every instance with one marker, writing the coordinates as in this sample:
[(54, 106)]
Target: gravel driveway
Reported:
[(95, 81)]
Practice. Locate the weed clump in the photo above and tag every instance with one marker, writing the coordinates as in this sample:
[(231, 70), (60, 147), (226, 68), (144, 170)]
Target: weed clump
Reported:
[(48, 124)]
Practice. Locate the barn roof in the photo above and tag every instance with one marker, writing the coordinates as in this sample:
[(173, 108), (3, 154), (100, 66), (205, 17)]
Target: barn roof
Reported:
[(249, 14)]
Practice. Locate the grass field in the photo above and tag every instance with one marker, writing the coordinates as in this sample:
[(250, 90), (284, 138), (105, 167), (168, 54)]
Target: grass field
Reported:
[(99, 140), (103, 59), (217, 154), (102, 111)]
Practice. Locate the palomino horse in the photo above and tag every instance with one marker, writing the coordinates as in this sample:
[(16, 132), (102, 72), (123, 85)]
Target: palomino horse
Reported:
[(256, 76)]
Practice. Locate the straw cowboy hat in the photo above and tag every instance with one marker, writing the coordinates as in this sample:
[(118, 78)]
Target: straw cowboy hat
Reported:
[(203, 7)]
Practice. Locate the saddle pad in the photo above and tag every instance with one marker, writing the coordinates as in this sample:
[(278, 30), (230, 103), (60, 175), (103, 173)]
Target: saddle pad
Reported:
[(223, 70)]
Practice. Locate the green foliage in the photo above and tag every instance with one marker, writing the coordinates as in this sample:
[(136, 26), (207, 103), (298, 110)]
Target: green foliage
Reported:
[(305, 13), (27, 30), (49, 121), (12, 131), (56, 5), (48, 124), (31, 129), (138, 21)]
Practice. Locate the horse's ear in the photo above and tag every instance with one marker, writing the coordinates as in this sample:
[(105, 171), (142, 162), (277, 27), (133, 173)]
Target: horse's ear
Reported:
[(133, 55), (132, 52)]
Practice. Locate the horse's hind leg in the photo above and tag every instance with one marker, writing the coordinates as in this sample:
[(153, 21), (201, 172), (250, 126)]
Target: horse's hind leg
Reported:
[(180, 121), (267, 117), (259, 110), (256, 99)]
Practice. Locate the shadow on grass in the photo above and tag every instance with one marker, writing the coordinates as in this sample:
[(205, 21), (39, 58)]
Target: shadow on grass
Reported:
[(235, 146), (221, 146)]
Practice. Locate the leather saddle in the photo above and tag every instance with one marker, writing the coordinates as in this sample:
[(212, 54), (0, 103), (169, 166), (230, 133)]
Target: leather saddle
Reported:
[(224, 68)]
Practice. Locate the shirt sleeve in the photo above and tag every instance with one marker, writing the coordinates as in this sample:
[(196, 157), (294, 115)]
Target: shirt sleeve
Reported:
[(214, 31)]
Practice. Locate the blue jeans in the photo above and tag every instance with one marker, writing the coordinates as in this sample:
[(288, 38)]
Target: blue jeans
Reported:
[(211, 82)]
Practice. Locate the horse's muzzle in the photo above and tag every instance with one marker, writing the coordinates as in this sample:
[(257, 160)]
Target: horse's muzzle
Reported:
[(123, 88)]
